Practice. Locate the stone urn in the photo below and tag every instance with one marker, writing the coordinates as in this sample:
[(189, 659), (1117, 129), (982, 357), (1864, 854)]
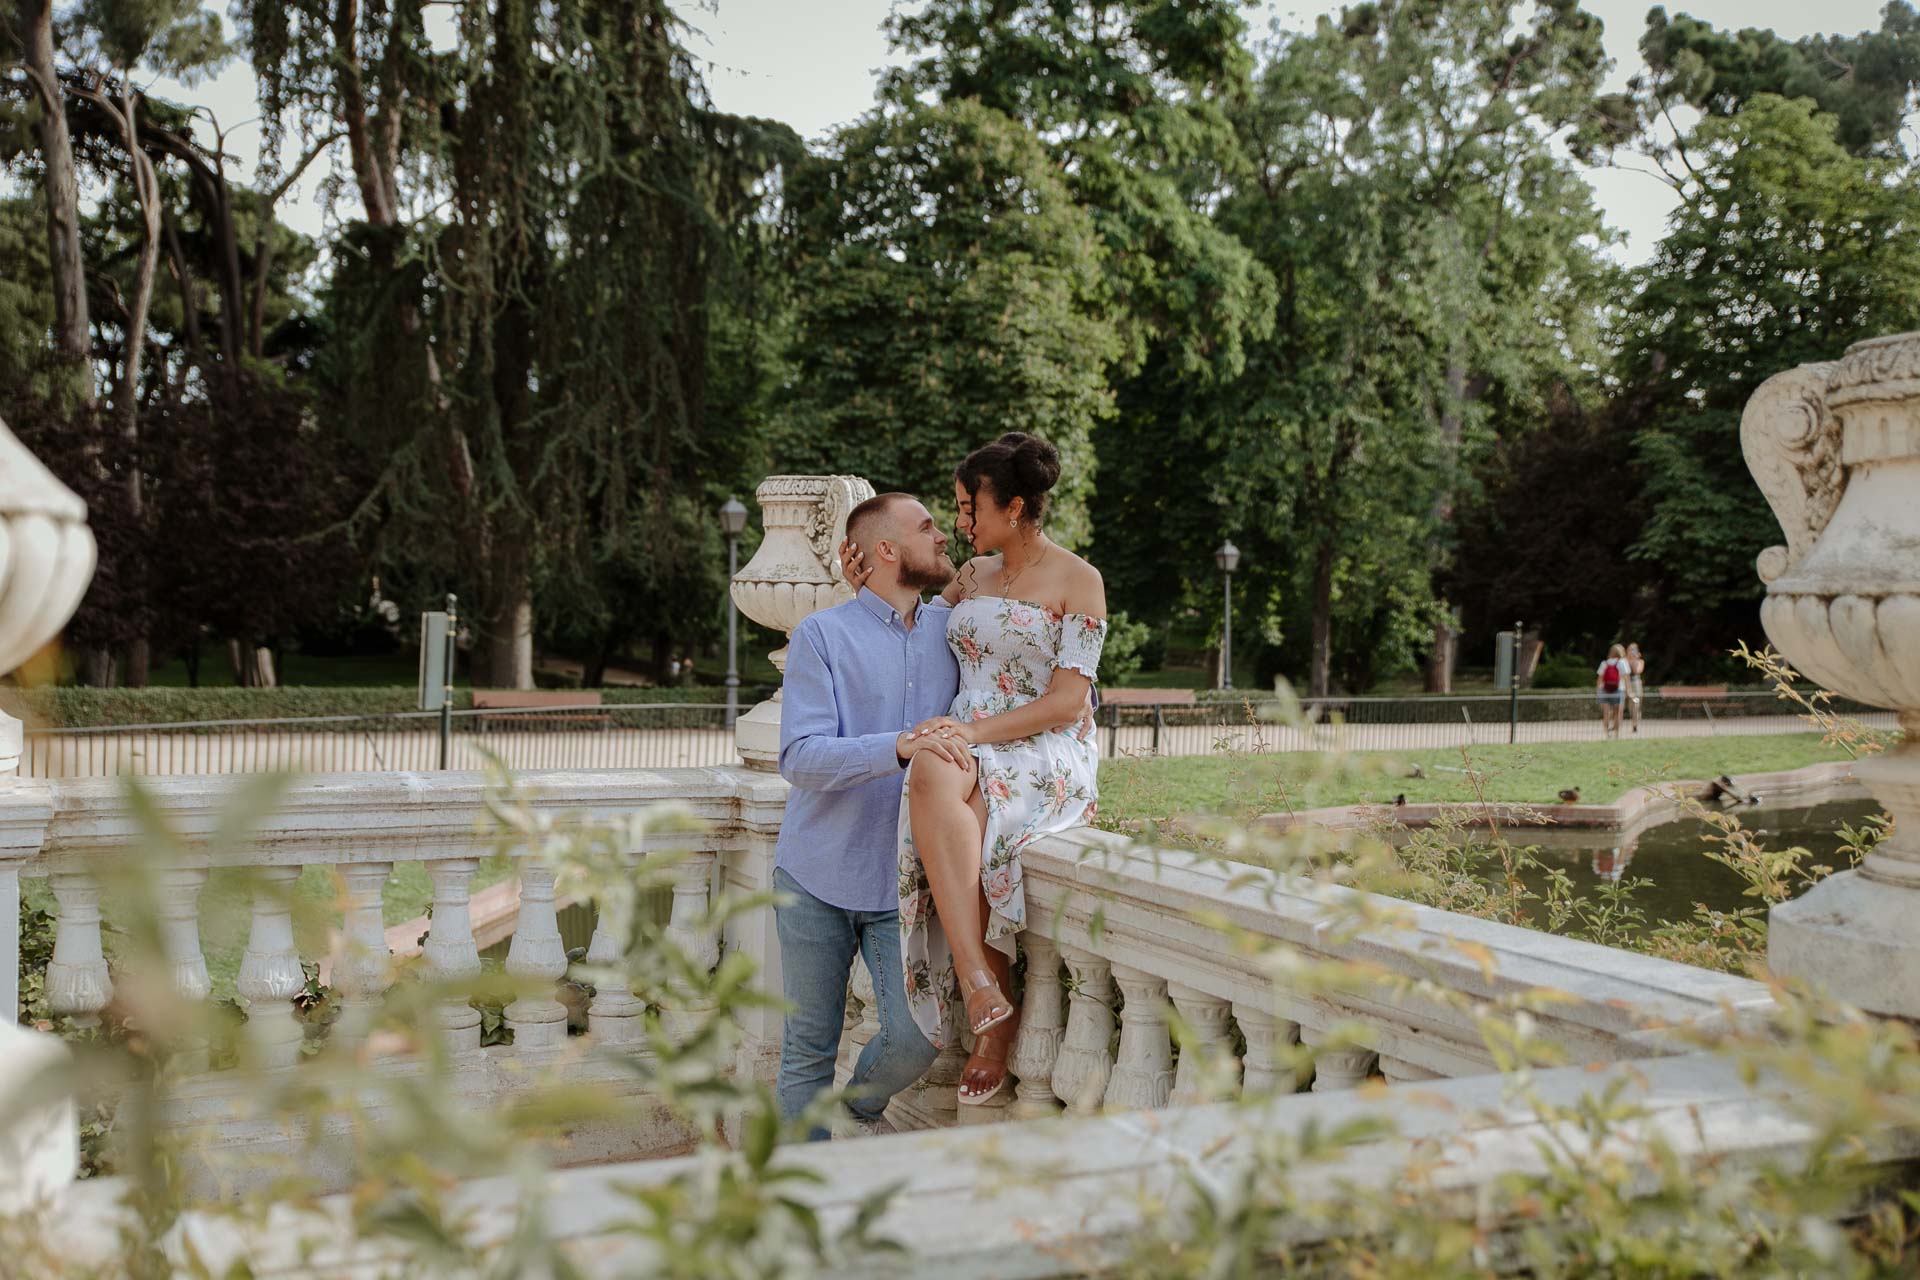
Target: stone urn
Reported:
[(795, 572), (46, 561), (1836, 450)]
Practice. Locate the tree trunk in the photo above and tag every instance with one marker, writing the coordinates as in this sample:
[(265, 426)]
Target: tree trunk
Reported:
[(97, 667), (139, 663), (72, 326), (510, 619), (1440, 658), (1320, 670), (147, 190), (192, 658), (252, 664)]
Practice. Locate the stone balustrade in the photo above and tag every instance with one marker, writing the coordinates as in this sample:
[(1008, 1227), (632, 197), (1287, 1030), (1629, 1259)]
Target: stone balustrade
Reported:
[(1120, 940), (364, 825), (1087, 1194)]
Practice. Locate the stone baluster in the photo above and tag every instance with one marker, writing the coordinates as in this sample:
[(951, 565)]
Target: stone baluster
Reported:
[(77, 981), (1400, 1071), (1042, 1019), (1142, 1076), (616, 1018), (1085, 1060), (1207, 1071), (689, 928), (538, 1020), (364, 972), (1337, 1064), (1266, 1035), (270, 974), (940, 1086), (452, 956), (177, 903)]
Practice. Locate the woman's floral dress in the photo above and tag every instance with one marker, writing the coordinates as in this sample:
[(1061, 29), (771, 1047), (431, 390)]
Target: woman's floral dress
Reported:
[(1007, 650)]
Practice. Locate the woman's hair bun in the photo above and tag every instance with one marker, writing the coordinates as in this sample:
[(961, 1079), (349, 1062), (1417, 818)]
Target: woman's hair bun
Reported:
[(1038, 461), (1017, 465)]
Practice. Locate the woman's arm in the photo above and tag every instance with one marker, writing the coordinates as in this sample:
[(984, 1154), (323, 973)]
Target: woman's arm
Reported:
[(1065, 701)]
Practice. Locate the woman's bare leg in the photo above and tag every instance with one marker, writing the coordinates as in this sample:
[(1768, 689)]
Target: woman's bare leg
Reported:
[(949, 825)]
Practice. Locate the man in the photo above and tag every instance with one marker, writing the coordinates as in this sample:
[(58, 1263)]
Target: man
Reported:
[(859, 676)]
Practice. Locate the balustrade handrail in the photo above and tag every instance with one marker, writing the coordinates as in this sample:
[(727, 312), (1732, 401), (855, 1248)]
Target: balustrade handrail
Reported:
[(608, 709), (1096, 891)]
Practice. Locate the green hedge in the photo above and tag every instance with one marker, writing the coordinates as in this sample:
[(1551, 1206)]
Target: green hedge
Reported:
[(85, 708)]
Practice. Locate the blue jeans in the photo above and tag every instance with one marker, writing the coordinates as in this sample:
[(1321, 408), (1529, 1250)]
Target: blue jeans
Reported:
[(817, 944)]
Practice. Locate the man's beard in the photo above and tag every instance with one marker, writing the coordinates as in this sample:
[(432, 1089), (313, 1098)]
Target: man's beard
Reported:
[(934, 575)]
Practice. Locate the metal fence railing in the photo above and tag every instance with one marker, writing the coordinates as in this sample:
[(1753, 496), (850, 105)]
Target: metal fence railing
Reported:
[(681, 735), (1259, 723), (670, 735)]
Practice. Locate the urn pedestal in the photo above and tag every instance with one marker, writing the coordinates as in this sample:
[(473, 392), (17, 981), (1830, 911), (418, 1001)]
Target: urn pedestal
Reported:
[(795, 572), (1836, 449)]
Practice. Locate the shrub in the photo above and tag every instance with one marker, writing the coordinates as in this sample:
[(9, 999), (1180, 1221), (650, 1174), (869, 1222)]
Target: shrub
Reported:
[(79, 708)]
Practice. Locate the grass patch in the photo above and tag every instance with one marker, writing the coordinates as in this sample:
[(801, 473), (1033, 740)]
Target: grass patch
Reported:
[(1248, 785)]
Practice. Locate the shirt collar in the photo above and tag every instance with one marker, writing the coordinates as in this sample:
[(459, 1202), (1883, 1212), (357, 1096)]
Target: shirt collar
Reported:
[(876, 606)]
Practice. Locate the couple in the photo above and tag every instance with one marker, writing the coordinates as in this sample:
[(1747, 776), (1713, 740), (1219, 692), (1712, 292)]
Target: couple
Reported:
[(927, 744)]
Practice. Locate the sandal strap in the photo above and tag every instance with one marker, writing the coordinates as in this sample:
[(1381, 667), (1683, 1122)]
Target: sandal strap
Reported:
[(990, 1046)]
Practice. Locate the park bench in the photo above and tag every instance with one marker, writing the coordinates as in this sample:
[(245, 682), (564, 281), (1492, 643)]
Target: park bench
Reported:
[(1693, 695), (569, 705), (1146, 697)]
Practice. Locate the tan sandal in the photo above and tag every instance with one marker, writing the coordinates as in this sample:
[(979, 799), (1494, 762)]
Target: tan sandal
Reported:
[(988, 1049), (987, 1005)]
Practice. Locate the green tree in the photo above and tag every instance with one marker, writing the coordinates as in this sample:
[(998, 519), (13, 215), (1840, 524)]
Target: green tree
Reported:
[(1438, 273), (947, 289), (1866, 81), (540, 337), (1787, 248), (1130, 98)]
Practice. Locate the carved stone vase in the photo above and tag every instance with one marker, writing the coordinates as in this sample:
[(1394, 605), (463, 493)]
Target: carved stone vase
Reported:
[(46, 562), (795, 572), (1836, 449)]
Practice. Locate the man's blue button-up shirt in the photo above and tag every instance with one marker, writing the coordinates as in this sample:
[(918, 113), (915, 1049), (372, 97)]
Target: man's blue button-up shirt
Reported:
[(856, 677)]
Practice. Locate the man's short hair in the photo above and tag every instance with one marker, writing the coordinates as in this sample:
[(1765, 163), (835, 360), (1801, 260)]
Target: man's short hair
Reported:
[(864, 519)]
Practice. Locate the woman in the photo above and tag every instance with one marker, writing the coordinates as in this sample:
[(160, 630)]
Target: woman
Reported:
[(1610, 689), (1636, 683), (1028, 624)]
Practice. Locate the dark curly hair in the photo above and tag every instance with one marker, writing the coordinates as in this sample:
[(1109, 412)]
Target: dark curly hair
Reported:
[(1016, 465)]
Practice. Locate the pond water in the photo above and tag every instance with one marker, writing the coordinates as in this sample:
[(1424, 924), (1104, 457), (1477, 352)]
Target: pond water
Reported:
[(1672, 857)]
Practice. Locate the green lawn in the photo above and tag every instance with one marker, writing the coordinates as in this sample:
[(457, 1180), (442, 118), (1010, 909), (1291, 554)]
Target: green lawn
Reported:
[(1245, 786)]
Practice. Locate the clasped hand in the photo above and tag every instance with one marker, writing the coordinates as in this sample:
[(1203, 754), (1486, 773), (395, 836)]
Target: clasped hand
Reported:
[(942, 735)]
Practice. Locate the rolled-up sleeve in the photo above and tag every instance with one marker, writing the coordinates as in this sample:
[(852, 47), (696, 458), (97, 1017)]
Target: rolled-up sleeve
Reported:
[(813, 755)]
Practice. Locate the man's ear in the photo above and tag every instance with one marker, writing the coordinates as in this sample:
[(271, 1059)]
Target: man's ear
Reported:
[(885, 550)]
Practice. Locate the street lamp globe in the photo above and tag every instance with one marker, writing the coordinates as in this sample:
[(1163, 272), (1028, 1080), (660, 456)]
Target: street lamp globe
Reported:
[(1227, 557), (733, 517)]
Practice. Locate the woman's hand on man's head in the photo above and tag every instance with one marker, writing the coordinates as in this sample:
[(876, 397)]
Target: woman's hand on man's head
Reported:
[(853, 564)]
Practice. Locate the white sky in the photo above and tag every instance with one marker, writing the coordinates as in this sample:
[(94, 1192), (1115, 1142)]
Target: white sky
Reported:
[(813, 63)]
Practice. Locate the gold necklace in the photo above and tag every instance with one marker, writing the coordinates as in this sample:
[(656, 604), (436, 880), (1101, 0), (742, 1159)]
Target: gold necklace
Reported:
[(1006, 583)]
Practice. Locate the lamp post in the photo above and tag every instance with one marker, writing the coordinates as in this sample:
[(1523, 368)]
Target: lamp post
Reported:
[(1228, 558), (733, 520)]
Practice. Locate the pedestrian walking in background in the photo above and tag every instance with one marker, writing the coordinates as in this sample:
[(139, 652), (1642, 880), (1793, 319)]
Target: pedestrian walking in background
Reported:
[(1636, 683), (1610, 689)]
